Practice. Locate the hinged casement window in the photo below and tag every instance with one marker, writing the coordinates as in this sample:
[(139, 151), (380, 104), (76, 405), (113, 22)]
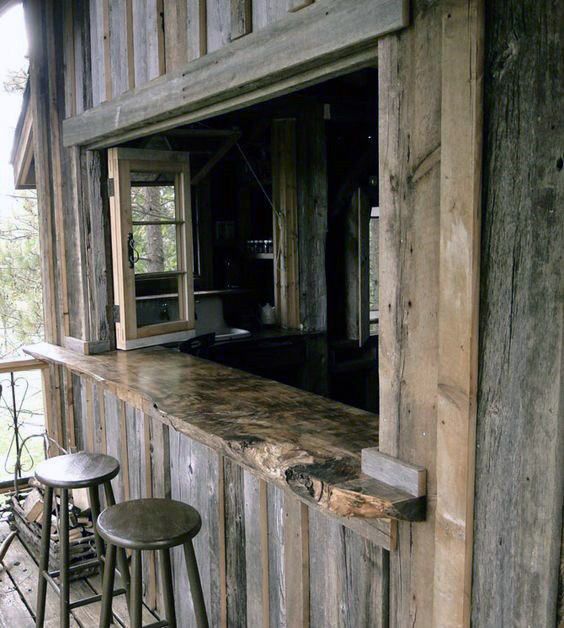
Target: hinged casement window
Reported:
[(151, 245)]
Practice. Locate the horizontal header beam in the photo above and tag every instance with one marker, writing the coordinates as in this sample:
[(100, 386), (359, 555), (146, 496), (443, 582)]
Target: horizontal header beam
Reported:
[(294, 47)]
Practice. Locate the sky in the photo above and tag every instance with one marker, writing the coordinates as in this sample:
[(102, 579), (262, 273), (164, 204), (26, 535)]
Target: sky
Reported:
[(13, 56)]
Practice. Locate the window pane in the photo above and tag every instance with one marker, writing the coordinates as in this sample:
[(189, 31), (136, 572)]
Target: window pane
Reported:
[(152, 202), (157, 300), (155, 248)]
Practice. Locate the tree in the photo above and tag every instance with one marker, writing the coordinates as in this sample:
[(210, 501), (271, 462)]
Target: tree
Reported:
[(21, 312)]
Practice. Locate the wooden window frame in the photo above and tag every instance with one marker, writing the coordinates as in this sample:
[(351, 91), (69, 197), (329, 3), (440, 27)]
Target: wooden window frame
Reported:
[(121, 162)]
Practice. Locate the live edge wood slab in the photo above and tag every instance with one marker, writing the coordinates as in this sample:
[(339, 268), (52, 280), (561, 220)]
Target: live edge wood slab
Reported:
[(298, 440)]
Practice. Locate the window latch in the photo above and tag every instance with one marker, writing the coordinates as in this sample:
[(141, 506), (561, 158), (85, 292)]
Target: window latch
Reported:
[(132, 254)]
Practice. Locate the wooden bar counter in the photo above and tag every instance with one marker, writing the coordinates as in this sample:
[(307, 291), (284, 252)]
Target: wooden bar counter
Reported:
[(302, 442)]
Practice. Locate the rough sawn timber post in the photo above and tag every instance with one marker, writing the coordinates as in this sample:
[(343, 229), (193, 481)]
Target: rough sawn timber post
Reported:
[(409, 66)]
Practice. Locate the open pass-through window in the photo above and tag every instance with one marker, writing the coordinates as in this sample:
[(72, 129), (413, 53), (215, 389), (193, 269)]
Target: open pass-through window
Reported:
[(151, 245)]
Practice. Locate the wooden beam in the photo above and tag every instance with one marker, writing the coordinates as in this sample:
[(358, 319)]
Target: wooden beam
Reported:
[(326, 32), (408, 477), (21, 364), (35, 15), (285, 230), (518, 542), (461, 171), (409, 91)]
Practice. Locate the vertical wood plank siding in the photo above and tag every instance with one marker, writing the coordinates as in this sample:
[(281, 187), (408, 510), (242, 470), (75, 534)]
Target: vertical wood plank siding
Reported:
[(118, 47), (126, 43), (97, 51), (520, 431), (277, 572), (267, 11)]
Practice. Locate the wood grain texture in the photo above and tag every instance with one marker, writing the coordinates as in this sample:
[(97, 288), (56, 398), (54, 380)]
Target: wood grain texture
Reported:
[(325, 33), (119, 61), (115, 415), (256, 550), (35, 16), (303, 442), (390, 470), (409, 77), (520, 440), (218, 23), (97, 51), (175, 33), (241, 18), (296, 561), (285, 226), (267, 11), (148, 40), (235, 544), (461, 174), (276, 573), (196, 29), (348, 575), (311, 154), (195, 480), (296, 5)]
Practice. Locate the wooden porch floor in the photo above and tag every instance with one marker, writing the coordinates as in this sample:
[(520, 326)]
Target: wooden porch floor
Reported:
[(18, 591)]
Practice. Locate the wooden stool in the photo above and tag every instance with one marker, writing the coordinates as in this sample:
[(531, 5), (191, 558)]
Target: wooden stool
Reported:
[(81, 470), (156, 525)]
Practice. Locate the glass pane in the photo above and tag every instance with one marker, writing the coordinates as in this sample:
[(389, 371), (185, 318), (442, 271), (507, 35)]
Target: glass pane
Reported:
[(157, 300), (155, 248), (152, 202)]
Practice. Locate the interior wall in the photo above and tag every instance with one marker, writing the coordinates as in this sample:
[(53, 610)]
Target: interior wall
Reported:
[(519, 479)]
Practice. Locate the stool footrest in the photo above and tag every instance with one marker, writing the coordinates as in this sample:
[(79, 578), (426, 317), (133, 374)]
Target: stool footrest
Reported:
[(92, 599), (157, 624), (51, 582), (86, 563)]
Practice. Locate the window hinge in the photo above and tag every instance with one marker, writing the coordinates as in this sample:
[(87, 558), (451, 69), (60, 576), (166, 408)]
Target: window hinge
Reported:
[(115, 313), (111, 190)]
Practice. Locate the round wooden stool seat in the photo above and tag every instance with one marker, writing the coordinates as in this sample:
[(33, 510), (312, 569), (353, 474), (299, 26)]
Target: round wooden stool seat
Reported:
[(80, 470), (149, 524), (62, 474)]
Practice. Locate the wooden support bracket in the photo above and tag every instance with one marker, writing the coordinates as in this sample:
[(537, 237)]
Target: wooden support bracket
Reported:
[(389, 470)]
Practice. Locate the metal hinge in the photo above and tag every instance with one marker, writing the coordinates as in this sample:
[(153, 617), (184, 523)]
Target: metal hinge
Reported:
[(115, 313), (111, 188)]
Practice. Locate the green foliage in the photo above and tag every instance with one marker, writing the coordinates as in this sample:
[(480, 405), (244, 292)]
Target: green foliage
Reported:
[(21, 311), (155, 243)]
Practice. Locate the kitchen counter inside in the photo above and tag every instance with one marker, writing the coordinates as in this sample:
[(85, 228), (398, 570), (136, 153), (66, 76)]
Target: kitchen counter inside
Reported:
[(301, 441)]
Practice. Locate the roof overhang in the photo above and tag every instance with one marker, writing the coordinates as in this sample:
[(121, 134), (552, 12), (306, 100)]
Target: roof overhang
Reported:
[(22, 150)]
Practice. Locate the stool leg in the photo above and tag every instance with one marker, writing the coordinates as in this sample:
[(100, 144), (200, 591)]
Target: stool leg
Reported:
[(64, 555), (195, 586), (121, 556), (44, 556), (135, 606), (108, 587), (166, 582), (95, 508)]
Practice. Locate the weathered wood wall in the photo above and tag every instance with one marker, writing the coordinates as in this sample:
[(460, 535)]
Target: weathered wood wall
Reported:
[(131, 42), (409, 66), (520, 432), (265, 558)]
